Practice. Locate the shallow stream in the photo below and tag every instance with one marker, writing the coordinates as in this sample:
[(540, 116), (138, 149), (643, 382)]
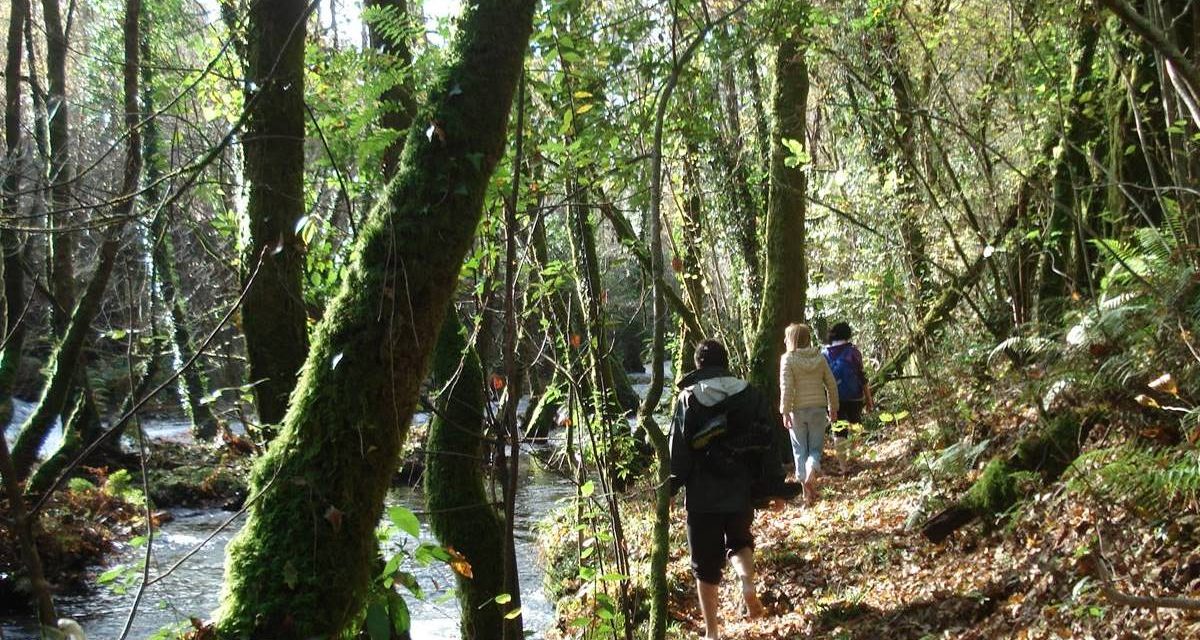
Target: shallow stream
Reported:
[(193, 589)]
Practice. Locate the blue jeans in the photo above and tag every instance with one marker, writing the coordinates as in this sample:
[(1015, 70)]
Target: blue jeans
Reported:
[(808, 437)]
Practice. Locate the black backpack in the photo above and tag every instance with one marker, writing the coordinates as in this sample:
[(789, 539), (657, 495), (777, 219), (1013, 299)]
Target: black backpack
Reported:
[(732, 437)]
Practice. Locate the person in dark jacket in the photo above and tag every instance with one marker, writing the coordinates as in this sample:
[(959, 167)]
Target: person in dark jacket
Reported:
[(846, 362), (718, 497)]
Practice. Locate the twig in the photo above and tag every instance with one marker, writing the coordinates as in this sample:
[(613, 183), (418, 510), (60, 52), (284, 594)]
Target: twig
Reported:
[(1104, 576)]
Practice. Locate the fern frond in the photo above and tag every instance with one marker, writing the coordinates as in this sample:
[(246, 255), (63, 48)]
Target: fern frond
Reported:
[(1026, 346), (1152, 481)]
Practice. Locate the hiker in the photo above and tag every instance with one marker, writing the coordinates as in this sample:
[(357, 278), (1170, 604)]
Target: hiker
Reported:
[(713, 404), (808, 401), (846, 362)]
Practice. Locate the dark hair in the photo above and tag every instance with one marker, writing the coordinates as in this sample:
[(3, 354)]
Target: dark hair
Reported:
[(839, 331), (711, 353)]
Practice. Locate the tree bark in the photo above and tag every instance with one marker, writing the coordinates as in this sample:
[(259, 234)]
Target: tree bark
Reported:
[(14, 274), (322, 481), (460, 511), (273, 316), (13, 308), (1048, 451), (1070, 171), (691, 270)]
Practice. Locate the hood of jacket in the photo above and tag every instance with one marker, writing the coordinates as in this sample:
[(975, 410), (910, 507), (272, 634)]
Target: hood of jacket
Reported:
[(712, 385), (806, 358)]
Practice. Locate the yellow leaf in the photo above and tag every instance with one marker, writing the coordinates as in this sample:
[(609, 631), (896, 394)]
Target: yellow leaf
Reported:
[(1146, 401), (584, 108), (459, 563)]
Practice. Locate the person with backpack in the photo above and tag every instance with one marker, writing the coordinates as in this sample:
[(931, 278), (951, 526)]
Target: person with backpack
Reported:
[(846, 363), (808, 401), (721, 450)]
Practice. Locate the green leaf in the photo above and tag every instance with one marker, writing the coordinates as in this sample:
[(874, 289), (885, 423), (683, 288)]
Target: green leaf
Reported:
[(401, 619), (797, 155), (503, 598), (111, 574), (379, 627), (512, 614), (405, 520), (587, 489)]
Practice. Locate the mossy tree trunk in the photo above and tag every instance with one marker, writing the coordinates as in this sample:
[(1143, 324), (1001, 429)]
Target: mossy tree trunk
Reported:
[(786, 281), (460, 511), (301, 565), (1038, 458), (691, 269), (273, 315), (10, 244), (193, 387), (1071, 174), (735, 163)]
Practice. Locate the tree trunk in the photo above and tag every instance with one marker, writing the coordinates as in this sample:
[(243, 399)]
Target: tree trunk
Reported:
[(10, 244), (322, 482), (13, 308), (1047, 452), (1071, 171), (61, 264), (273, 315), (460, 511), (691, 270), (786, 281), (193, 387)]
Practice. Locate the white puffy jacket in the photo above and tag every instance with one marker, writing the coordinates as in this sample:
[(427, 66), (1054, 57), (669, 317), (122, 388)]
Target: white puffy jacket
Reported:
[(805, 381)]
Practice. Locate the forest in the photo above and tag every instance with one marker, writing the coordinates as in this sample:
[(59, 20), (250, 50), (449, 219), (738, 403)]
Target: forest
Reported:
[(379, 318)]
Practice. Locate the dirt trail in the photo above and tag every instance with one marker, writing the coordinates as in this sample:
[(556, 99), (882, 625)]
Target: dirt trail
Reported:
[(847, 568)]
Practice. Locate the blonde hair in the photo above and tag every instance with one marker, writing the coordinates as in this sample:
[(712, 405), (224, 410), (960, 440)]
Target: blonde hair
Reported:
[(797, 336)]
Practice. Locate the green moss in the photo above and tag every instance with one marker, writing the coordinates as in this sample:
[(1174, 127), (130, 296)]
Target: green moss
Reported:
[(994, 491), (460, 511)]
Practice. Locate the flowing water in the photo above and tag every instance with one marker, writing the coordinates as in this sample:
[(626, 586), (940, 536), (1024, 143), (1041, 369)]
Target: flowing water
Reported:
[(193, 589)]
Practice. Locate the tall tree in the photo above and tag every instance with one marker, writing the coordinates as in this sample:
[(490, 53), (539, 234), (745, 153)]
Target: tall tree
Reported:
[(12, 309), (193, 388), (321, 484), (273, 314), (61, 263), (786, 281)]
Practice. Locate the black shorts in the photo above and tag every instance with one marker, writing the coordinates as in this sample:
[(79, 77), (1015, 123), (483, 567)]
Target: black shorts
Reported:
[(713, 537), (851, 411)]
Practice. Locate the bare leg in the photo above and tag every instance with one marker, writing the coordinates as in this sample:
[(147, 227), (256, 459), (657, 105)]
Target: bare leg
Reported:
[(710, 607), (743, 565)]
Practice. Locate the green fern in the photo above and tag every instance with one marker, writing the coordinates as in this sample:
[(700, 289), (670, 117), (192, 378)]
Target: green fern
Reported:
[(1152, 481)]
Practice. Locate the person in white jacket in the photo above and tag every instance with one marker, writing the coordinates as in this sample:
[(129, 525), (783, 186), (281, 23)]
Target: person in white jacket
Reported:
[(808, 401)]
